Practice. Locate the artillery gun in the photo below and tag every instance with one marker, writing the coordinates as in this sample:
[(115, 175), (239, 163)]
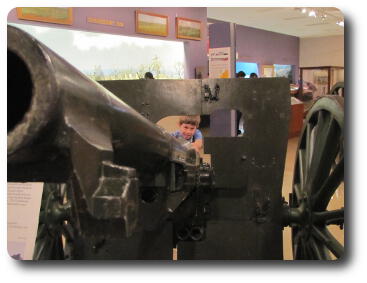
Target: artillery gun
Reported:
[(119, 187)]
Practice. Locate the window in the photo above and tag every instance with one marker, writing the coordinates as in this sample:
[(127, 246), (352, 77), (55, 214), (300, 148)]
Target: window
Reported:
[(247, 67)]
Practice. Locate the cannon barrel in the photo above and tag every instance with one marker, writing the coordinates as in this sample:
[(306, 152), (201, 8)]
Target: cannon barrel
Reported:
[(49, 101), (65, 128)]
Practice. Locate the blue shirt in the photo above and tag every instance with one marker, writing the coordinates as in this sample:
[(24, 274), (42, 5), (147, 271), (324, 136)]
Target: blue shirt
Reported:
[(197, 135)]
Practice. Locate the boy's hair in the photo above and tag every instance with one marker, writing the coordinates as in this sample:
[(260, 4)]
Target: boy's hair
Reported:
[(192, 120), (241, 74), (148, 75)]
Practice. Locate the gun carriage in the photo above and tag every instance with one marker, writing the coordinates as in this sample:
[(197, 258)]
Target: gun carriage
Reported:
[(119, 187)]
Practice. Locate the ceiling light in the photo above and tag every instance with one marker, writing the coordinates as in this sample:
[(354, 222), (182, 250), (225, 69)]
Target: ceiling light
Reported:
[(321, 15), (312, 13)]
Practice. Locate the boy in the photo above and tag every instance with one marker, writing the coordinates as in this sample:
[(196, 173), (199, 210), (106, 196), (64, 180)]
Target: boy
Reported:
[(188, 130)]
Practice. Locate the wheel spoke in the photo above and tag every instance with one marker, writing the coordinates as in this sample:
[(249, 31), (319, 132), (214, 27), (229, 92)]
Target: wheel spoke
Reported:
[(327, 239), (326, 252), (323, 196), (302, 167), (42, 231), (298, 192), (296, 246), (305, 254), (48, 248), (318, 250), (329, 217), (39, 249), (308, 152), (310, 255), (314, 249), (326, 146)]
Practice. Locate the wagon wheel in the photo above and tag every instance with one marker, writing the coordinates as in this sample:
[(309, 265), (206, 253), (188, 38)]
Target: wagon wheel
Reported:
[(54, 235), (338, 89), (318, 180)]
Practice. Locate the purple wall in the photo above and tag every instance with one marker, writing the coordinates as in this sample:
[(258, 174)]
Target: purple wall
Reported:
[(195, 51), (256, 45), (219, 35), (266, 47)]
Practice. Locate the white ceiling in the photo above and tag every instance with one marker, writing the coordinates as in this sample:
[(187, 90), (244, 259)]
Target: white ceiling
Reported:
[(286, 20)]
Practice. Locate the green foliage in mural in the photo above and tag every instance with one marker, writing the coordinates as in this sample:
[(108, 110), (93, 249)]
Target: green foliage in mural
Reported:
[(155, 67)]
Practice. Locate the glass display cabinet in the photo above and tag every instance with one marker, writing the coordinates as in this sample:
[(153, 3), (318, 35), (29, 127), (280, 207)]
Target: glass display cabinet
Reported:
[(321, 78)]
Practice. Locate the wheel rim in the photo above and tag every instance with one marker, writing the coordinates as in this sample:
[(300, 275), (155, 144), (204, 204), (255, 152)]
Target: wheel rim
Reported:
[(318, 177), (338, 89)]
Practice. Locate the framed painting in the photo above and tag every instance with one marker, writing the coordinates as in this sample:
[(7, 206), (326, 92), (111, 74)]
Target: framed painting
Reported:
[(62, 16), (188, 28), (149, 23)]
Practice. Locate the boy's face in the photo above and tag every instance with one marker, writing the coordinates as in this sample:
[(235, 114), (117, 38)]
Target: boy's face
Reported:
[(187, 130)]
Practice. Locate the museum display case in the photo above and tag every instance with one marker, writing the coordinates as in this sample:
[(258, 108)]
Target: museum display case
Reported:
[(321, 78)]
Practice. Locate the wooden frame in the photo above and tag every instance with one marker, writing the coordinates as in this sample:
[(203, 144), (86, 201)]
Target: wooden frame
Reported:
[(62, 16), (188, 28), (150, 23), (267, 71)]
